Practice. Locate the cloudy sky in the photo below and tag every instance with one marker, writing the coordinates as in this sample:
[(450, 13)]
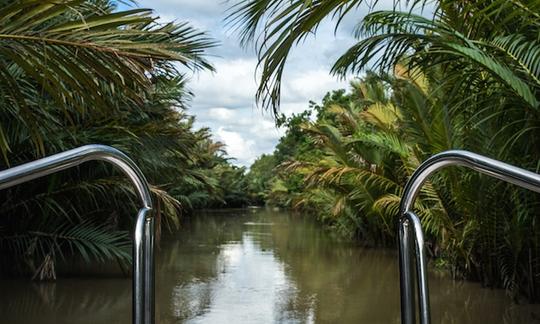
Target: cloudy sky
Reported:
[(224, 100)]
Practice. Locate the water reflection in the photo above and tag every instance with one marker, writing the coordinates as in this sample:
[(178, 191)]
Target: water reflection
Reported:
[(68, 301), (258, 266)]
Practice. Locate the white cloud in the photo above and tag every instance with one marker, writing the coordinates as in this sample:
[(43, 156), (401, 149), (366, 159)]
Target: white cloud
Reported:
[(210, 8), (289, 108), (232, 85), (310, 85), (246, 132), (236, 145), (221, 113)]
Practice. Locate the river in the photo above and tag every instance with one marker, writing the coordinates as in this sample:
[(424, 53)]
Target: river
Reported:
[(258, 266)]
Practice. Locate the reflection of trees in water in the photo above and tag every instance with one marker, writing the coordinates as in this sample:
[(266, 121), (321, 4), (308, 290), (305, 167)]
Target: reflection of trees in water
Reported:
[(66, 301), (466, 302), (183, 279), (189, 264), (336, 283), (339, 282), (325, 281)]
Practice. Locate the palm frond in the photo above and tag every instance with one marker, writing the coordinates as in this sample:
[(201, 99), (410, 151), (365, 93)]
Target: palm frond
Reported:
[(283, 24)]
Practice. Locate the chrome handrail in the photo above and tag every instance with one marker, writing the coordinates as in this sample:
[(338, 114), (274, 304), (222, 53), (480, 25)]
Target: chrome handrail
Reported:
[(408, 219), (143, 237)]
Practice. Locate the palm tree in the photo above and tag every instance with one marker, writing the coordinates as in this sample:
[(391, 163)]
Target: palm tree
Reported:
[(494, 37), (82, 57), (79, 72), (372, 144), (482, 58)]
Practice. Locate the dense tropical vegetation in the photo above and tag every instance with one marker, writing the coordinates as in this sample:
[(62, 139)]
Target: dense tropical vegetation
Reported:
[(81, 72), (466, 77)]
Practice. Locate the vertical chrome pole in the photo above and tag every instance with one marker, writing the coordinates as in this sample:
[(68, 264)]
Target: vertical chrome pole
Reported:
[(421, 267), (149, 271), (405, 273), (138, 291)]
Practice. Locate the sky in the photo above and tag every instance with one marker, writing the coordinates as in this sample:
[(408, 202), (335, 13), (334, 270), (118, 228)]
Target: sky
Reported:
[(224, 100)]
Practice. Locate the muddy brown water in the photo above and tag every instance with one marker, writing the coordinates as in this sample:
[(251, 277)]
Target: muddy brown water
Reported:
[(258, 266)]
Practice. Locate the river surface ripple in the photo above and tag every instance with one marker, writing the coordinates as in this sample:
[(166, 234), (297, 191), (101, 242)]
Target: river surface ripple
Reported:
[(258, 266)]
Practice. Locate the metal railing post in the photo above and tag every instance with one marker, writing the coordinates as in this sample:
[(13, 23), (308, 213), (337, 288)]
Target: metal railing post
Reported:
[(410, 227), (149, 275), (143, 236), (406, 272)]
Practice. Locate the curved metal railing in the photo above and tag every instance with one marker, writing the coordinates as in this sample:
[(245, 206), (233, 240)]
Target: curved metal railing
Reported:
[(143, 237), (410, 228)]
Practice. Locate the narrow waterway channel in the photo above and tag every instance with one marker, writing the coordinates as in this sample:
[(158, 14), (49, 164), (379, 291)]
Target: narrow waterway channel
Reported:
[(258, 266)]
